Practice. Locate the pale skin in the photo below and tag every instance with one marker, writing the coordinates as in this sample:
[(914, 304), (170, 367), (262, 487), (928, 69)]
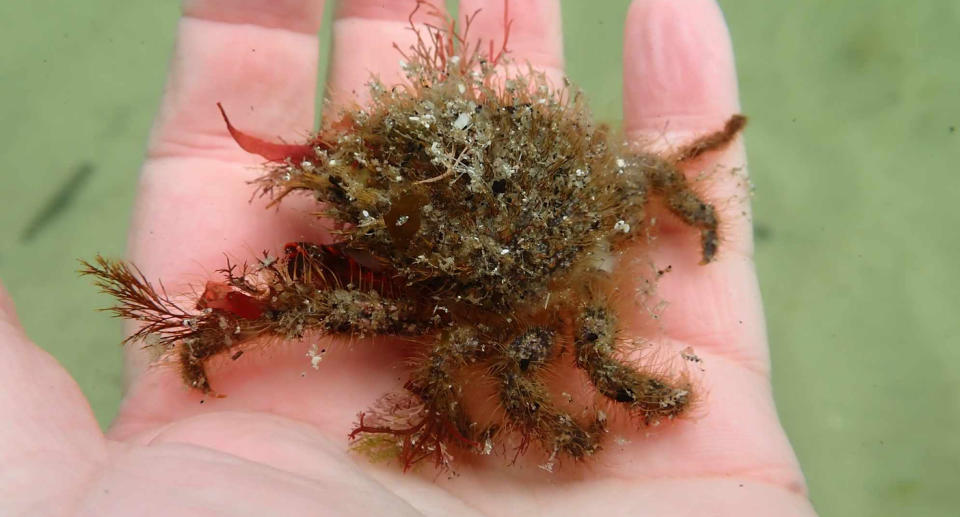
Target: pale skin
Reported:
[(276, 445)]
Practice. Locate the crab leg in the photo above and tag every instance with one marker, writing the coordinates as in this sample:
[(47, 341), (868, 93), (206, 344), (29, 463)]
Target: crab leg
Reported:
[(526, 400), (649, 395)]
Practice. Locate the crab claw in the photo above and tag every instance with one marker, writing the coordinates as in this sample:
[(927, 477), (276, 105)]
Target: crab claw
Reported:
[(271, 151), (218, 295)]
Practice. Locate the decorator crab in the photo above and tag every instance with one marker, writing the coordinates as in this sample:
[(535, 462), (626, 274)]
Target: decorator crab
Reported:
[(479, 214)]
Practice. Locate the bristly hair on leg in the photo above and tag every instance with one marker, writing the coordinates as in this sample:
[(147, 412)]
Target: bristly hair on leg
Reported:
[(165, 322)]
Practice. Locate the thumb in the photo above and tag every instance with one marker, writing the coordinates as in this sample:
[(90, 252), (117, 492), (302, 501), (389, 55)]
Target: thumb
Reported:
[(49, 439)]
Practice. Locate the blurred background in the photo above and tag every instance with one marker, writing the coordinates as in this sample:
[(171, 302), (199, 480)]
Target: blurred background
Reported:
[(853, 147)]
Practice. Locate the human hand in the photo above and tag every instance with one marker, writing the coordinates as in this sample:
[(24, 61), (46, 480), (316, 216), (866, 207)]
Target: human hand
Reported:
[(276, 445)]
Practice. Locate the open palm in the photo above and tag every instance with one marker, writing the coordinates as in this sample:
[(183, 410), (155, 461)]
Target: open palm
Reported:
[(276, 445)]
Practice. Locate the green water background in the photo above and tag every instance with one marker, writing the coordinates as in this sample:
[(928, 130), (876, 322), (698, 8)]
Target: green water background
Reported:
[(853, 147)]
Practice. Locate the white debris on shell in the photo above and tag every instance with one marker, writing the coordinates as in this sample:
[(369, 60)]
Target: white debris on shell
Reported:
[(622, 226), (463, 120), (426, 119)]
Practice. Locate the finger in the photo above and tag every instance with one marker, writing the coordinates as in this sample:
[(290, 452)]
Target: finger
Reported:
[(680, 83), (364, 32), (259, 58), (678, 67), (535, 35), (49, 442)]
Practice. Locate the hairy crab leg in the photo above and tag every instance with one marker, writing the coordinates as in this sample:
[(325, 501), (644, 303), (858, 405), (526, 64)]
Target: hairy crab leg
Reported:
[(653, 174), (713, 141), (649, 395), (667, 181), (263, 304), (526, 400), (442, 420)]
